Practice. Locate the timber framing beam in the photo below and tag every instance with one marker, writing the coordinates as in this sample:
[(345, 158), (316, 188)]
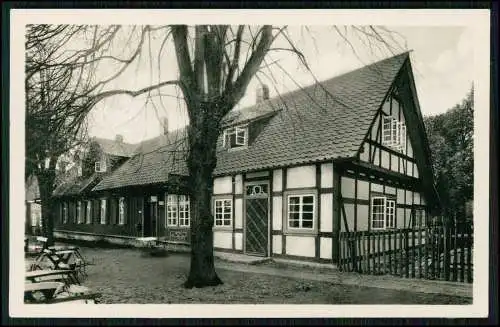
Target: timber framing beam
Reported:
[(365, 171)]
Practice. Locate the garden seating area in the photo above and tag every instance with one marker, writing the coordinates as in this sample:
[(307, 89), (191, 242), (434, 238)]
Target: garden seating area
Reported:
[(55, 275)]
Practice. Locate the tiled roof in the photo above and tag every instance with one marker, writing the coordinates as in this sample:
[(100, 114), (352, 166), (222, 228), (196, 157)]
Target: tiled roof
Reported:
[(116, 148), (151, 167), (76, 185), (315, 123), (319, 122)]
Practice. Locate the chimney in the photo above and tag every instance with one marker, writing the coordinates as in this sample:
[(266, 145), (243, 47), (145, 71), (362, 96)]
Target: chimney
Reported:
[(262, 93), (119, 138), (164, 125)]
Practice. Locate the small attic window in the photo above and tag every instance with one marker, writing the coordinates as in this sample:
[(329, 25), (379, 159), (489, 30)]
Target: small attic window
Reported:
[(235, 137), (100, 167), (394, 133)]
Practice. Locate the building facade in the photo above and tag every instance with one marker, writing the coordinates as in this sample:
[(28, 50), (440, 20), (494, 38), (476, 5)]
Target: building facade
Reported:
[(293, 172)]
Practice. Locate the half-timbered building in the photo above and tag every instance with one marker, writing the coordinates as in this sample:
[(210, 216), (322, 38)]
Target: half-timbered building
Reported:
[(293, 172)]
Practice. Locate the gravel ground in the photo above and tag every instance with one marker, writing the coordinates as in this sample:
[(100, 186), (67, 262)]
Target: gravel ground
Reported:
[(127, 276)]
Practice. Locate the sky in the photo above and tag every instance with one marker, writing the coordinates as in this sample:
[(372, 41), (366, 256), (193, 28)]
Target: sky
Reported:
[(441, 57)]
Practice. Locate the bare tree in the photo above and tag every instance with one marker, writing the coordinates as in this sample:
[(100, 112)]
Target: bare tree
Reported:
[(216, 63)]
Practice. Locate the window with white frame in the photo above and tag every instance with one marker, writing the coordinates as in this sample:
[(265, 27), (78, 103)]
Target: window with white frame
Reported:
[(65, 212), (235, 137), (394, 133), (223, 212), (172, 218), (301, 211), (103, 211), (177, 212), (89, 212), (121, 211), (184, 211), (100, 166), (383, 212), (79, 213)]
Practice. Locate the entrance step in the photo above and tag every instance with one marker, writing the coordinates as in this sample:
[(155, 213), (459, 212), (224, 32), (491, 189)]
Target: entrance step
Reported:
[(241, 258)]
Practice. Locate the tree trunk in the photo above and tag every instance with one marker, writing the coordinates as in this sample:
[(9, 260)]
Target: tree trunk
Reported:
[(46, 188), (203, 133)]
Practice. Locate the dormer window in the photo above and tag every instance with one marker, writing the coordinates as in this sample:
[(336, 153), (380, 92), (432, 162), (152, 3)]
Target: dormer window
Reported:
[(235, 137), (100, 167), (394, 133)]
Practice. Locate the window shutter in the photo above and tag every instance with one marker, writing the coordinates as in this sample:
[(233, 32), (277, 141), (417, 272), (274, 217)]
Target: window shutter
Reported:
[(96, 208), (113, 211)]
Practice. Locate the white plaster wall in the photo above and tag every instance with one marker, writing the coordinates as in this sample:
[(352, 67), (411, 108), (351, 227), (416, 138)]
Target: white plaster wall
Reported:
[(327, 175), (394, 163), (409, 150), (415, 170), (347, 187), (223, 185), (363, 219), (376, 159), (277, 212), (363, 191), (408, 216), (277, 180), (238, 241), (303, 176), (223, 239), (377, 187), (390, 190), (238, 213), (325, 250), (400, 196), (300, 246), (277, 246), (385, 159), (364, 156), (238, 184), (387, 107), (400, 214), (326, 212), (408, 197), (416, 198), (349, 213)]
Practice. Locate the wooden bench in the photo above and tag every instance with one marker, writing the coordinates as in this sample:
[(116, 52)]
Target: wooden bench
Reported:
[(57, 292), (41, 292), (66, 276)]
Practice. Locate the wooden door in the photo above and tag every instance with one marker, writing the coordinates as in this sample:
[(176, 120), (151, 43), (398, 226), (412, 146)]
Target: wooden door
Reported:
[(257, 219)]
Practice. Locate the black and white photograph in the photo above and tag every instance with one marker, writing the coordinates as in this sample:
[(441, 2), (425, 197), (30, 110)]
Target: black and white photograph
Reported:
[(312, 163)]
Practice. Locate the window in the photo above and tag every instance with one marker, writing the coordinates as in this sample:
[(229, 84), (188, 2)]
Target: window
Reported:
[(223, 212), (178, 210), (65, 213), (89, 212), (419, 217), (121, 211), (383, 213), (394, 133), (183, 211), (103, 211), (171, 210), (100, 166), (301, 211), (235, 137), (80, 170), (79, 214)]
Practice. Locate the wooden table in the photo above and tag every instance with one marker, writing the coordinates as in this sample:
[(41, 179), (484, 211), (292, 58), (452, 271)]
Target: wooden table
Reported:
[(64, 275)]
